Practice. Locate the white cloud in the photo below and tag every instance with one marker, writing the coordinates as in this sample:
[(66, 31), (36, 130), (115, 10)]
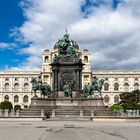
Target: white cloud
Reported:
[(4, 45), (112, 36)]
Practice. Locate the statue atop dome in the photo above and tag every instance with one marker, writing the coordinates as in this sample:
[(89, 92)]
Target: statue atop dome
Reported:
[(65, 46)]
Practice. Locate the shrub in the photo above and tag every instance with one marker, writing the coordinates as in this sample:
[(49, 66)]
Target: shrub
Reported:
[(116, 107), (17, 107), (6, 105)]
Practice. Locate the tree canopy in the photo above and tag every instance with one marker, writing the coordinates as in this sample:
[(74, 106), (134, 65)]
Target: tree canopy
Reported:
[(130, 100)]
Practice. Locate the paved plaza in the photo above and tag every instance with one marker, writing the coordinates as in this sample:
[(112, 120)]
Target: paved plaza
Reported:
[(69, 130)]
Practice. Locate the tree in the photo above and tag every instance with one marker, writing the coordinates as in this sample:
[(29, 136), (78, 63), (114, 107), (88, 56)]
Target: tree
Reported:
[(130, 100), (6, 105)]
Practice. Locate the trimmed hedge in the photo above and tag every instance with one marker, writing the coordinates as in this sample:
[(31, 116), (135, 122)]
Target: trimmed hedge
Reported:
[(6, 105)]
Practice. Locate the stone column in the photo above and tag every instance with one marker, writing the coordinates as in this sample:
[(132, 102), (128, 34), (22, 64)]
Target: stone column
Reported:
[(56, 79), (80, 79), (77, 80), (53, 80)]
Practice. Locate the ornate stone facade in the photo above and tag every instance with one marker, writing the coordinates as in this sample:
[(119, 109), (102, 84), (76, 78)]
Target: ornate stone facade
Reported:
[(15, 86)]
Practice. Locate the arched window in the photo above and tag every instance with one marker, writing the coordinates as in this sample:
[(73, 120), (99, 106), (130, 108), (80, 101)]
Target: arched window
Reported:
[(16, 87), (116, 99), (16, 99), (106, 86), (6, 98), (25, 99), (136, 86), (126, 87), (46, 59), (26, 87), (106, 99), (116, 86), (6, 87), (85, 59)]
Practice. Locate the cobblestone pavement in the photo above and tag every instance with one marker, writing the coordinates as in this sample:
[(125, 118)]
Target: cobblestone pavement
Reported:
[(72, 130)]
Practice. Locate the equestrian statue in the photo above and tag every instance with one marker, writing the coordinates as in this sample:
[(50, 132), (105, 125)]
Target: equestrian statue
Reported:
[(38, 85), (96, 85)]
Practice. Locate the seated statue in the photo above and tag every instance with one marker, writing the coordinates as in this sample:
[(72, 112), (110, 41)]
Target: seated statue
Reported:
[(65, 47), (67, 90), (63, 44)]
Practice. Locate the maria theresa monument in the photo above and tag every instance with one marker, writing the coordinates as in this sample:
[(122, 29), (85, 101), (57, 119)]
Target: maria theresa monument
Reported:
[(66, 75)]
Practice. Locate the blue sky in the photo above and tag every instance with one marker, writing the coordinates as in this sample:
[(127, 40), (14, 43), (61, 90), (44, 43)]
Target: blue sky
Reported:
[(27, 29), (11, 16)]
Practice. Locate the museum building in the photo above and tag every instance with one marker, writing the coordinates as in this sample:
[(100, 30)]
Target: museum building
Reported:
[(16, 87)]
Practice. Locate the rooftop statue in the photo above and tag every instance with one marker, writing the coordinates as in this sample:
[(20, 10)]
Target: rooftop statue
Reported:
[(65, 47), (96, 85)]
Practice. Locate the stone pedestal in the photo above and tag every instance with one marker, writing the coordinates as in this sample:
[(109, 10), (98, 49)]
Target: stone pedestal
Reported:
[(60, 94), (67, 70), (71, 103)]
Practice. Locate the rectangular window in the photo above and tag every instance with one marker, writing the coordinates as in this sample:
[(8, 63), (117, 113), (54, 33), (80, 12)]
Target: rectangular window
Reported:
[(86, 77)]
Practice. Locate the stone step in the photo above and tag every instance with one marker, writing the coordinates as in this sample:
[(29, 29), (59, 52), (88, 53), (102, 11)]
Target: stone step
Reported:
[(65, 113), (30, 114), (104, 113), (68, 118), (30, 110)]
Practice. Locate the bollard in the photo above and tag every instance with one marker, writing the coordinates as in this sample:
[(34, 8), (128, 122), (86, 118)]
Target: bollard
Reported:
[(1, 113), (42, 113), (17, 113), (128, 113), (122, 113), (6, 113), (137, 113), (92, 113), (81, 113), (133, 113), (117, 113), (12, 113), (53, 113)]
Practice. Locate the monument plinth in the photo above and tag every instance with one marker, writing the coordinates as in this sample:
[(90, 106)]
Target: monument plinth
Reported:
[(67, 70)]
